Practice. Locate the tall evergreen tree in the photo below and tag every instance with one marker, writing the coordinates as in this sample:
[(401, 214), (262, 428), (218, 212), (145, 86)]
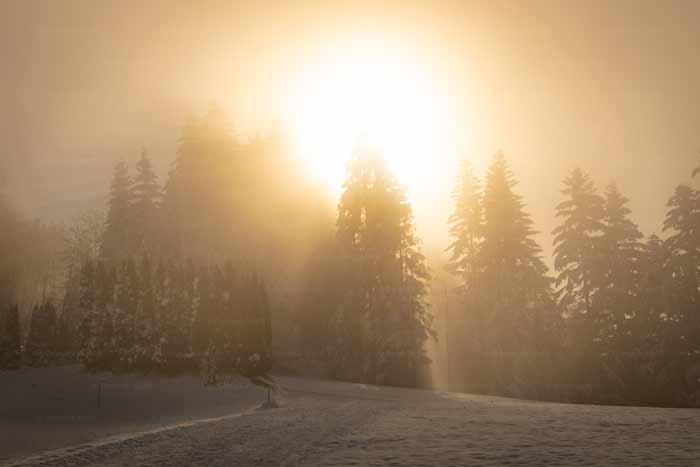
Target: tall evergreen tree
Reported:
[(146, 198), (384, 320), (515, 286), (576, 254), (116, 237), (466, 231), (683, 243), (620, 250)]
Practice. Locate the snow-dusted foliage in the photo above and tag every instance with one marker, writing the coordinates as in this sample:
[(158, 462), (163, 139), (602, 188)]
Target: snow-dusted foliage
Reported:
[(172, 319)]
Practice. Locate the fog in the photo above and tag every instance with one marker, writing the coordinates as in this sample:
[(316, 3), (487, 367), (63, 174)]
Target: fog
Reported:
[(315, 203), (608, 87)]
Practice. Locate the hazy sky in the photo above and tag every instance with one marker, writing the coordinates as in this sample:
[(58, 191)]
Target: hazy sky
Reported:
[(611, 86)]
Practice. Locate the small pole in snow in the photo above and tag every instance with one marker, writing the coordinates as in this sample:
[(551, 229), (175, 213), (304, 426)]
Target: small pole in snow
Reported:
[(447, 335)]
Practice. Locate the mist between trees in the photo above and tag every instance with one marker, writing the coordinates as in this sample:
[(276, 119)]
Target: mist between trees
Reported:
[(238, 263)]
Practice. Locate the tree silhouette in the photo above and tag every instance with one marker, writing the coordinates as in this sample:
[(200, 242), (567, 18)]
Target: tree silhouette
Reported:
[(116, 237), (383, 321), (620, 251), (576, 252), (466, 232), (145, 211)]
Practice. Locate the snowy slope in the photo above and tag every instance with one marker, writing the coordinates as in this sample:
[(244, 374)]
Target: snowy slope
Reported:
[(332, 424)]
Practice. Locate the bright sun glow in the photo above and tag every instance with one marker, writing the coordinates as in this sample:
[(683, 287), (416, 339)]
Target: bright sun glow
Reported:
[(381, 95)]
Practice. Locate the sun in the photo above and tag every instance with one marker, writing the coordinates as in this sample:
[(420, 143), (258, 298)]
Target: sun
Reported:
[(382, 94)]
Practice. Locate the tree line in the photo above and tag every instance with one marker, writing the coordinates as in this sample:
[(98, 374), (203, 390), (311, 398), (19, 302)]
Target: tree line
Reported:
[(619, 322)]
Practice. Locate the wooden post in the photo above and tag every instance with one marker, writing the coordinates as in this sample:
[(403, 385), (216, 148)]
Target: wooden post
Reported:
[(447, 336)]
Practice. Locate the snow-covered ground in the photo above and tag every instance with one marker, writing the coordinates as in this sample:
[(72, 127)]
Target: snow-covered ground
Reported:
[(322, 423)]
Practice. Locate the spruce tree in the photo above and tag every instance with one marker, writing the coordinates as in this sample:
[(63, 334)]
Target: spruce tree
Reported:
[(383, 322), (620, 251), (146, 198), (649, 324), (117, 233), (515, 289), (466, 225), (466, 235), (577, 258), (682, 223)]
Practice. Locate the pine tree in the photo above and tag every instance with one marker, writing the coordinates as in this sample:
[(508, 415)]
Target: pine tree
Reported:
[(576, 254), (682, 222), (516, 290), (466, 232), (620, 251), (117, 233), (10, 338), (198, 200), (376, 237), (146, 198)]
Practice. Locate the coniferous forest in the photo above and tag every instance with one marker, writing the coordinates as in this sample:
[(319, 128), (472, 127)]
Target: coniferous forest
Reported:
[(234, 262)]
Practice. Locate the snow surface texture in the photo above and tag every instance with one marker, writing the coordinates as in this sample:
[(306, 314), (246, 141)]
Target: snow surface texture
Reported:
[(321, 423)]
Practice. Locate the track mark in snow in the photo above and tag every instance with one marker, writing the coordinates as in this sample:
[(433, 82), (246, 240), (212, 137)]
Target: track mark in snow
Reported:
[(62, 456)]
